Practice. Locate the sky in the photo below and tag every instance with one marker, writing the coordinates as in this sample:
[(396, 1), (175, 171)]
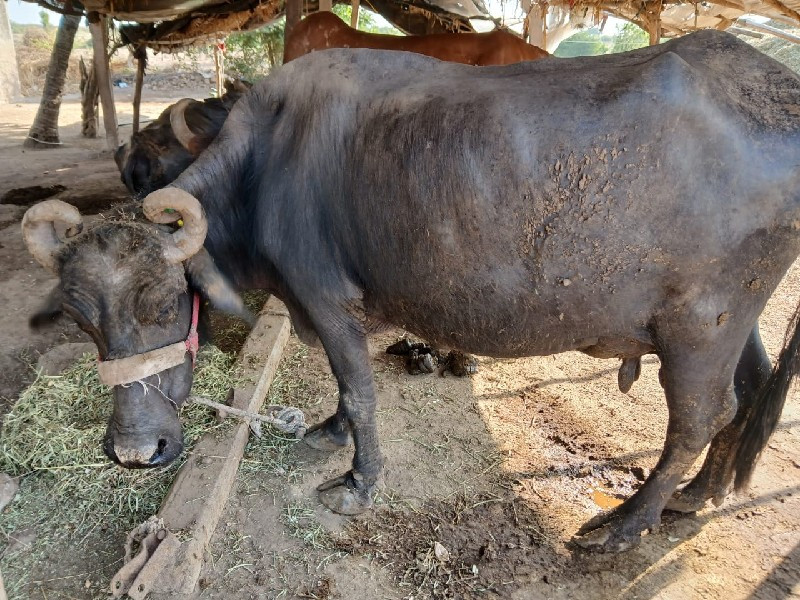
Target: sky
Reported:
[(27, 12)]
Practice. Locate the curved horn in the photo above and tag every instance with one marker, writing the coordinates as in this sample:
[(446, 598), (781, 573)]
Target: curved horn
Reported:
[(39, 231), (177, 121), (169, 204)]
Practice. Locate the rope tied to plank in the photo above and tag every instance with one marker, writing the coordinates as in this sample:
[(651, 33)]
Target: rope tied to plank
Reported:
[(286, 419)]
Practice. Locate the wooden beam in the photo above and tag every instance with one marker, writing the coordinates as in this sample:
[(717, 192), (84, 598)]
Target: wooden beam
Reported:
[(354, 13), (98, 28), (326, 5), (779, 33), (782, 8)]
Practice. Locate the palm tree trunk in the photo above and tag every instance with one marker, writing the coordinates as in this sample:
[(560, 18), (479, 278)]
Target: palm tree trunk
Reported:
[(44, 131)]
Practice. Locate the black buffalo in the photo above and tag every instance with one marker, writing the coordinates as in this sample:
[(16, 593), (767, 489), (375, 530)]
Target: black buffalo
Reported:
[(642, 203), (160, 152)]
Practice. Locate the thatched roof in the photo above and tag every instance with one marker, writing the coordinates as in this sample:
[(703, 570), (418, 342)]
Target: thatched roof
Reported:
[(169, 24)]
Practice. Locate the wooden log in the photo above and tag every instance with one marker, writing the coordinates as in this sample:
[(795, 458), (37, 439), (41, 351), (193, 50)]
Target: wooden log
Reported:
[(326, 5), (141, 63), (198, 495), (97, 27), (354, 13)]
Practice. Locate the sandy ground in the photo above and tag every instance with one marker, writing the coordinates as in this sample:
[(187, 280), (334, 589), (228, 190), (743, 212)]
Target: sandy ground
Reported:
[(499, 469)]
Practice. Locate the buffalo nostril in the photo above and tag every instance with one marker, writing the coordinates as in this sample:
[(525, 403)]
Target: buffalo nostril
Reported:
[(158, 455)]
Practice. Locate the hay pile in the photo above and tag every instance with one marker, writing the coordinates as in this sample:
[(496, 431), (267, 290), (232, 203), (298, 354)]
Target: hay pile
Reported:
[(71, 496)]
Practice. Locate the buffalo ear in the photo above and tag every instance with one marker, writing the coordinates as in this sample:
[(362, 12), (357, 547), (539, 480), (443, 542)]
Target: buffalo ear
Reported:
[(49, 312), (206, 279)]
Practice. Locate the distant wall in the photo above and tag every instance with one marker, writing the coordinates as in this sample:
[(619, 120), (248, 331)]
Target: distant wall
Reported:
[(9, 76)]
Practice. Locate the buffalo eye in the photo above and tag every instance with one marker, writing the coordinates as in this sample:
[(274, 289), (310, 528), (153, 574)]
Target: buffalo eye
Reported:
[(167, 313)]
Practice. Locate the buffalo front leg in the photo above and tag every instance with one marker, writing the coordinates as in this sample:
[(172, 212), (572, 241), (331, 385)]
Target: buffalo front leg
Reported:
[(352, 492), (700, 401), (715, 478)]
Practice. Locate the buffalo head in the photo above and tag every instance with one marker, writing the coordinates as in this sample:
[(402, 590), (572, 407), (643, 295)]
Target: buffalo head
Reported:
[(129, 285), (160, 152)]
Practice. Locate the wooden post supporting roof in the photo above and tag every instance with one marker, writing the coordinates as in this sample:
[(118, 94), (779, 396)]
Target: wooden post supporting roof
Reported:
[(651, 17), (98, 28), (354, 14), (294, 10), (326, 5), (141, 62)]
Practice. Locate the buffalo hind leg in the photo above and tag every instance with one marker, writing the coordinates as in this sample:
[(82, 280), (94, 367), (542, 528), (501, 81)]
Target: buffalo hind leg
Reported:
[(346, 346), (332, 434), (700, 402), (715, 478)]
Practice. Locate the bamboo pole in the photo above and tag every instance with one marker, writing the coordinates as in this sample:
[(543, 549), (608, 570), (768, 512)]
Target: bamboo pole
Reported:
[(97, 27)]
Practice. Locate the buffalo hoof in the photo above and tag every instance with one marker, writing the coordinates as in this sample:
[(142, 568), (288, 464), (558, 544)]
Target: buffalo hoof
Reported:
[(460, 364), (347, 494), (326, 438), (685, 503), (612, 531)]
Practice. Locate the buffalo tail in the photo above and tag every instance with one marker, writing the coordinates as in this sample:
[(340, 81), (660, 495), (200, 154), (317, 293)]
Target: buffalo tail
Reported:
[(766, 411)]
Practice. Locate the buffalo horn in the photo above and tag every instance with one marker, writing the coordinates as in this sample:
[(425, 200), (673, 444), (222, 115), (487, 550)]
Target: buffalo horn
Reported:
[(39, 229), (177, 121), (169, 204)]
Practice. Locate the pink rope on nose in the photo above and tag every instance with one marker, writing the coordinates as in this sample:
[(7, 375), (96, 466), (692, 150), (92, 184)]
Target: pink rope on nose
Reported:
[(192, 340)]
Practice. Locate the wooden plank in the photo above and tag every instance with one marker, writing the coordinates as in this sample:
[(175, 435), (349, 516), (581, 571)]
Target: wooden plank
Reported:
[(198, 495), (97, 26)]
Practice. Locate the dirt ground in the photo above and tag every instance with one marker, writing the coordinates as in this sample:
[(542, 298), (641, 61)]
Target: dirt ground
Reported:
[(487, 478)]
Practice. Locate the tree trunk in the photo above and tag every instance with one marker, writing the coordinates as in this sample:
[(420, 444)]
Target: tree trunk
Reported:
[(90, 94), (44, 131)]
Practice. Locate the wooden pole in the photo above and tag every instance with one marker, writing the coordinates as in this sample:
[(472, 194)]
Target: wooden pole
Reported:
[(218, 68), (141, 61), (97, 27), (652, 17), (544, 8), (89, 99), (326, 5), (294, 10), (354, 14)]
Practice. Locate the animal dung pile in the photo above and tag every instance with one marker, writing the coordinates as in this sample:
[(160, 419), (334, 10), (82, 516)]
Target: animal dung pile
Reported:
[(71, 495)]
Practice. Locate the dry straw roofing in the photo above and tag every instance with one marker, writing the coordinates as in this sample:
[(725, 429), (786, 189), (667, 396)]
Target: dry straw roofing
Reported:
[(169, 24)]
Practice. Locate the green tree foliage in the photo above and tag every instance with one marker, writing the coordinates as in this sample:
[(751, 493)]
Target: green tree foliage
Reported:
[(366, 20), (253, 54), (584, 43), (630, 37), (44, 17)]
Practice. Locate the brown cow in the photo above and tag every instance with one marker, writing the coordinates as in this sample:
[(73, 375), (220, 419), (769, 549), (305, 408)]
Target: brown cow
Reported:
[(323, 30)]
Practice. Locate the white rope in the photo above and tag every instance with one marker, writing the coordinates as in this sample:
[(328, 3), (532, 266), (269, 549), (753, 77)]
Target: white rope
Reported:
[(30, 137), (287, 419)]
